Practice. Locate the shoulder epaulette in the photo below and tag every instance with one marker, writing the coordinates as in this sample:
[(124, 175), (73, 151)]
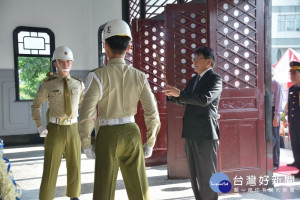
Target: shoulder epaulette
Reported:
[(50, 76), (94, 69), (78, 79)]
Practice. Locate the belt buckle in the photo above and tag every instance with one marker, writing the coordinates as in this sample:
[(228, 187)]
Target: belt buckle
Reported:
[(66, 122)]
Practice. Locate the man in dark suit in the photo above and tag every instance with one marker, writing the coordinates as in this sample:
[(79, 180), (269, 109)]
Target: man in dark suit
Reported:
[(200, 126)]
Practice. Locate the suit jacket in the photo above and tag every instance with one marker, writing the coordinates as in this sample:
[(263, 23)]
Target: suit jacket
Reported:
[(201, 111)]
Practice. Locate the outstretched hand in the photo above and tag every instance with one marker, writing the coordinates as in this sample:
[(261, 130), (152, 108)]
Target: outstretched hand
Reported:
[(172, 91)]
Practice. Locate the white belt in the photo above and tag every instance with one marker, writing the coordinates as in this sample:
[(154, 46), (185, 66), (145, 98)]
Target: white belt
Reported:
[(62, 121), (116, 121)]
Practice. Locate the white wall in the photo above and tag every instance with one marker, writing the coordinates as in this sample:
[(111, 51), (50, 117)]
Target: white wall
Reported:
[(75, 24), (285, 2)]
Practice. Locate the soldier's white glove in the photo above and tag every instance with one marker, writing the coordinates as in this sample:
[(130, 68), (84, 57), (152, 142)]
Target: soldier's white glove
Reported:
[(42, 131), (90, 153), (147, 151)]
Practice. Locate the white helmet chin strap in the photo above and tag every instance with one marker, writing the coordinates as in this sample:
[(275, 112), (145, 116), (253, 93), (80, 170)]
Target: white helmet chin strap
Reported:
[(64, 70)]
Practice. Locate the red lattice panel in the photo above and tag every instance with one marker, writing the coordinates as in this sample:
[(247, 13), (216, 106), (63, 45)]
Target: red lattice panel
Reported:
[(237, 43), (149, 40), (190, 32)]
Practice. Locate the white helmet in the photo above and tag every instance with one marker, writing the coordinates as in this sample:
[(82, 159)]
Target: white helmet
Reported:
[(63, 53), (116, 27)]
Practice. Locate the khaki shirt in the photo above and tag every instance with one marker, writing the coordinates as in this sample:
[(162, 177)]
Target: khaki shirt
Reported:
[(117, 89), (52, 90)]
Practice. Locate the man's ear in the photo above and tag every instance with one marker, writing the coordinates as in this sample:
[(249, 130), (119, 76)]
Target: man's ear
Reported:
[(128, 47), (106, 47), (54, 63), (210, 62)]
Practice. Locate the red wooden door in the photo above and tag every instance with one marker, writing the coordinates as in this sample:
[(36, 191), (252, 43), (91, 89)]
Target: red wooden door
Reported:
[(234, 29), (148, 40), (187, 27), (240, 47)]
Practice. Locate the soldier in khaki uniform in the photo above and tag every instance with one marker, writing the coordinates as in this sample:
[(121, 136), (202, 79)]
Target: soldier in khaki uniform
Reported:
[(64, 94), (116, 90)]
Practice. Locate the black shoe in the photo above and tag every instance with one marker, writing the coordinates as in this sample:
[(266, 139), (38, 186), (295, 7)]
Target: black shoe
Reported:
[(275, 168), (74, 198), (291, 164), (297, 175)]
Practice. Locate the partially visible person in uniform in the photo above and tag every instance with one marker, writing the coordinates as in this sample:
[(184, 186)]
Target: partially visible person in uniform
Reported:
[(116, 89), (64, 94), (293, 113), (277, 99), (200, 121)]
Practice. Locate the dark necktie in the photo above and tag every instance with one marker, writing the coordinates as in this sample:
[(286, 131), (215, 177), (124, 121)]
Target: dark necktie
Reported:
[(68, 109), (196, 82)]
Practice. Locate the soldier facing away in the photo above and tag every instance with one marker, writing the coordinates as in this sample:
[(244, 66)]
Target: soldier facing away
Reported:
[(116, 89)]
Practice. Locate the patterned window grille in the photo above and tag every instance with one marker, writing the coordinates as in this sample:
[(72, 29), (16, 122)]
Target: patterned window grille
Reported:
[(33, 49), (154, 8), (147, 9), (134, 10)]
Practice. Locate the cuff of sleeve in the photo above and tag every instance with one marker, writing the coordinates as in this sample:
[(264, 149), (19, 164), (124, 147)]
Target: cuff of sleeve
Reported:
[(85, 144), (149, 144), (181, 94), (38, 123)]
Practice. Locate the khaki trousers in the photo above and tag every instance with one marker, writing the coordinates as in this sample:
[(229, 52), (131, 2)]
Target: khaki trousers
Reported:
[(61, 139), (120, 146)]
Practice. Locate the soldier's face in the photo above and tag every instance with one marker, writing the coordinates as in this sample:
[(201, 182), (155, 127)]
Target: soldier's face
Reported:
[(295, 76), (63, 67)]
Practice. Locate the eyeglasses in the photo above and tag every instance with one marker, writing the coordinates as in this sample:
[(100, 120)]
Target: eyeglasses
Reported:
[(195, 59)]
